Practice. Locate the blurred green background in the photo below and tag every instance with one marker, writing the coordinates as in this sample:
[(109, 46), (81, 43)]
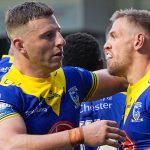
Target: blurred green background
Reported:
[(91, 16)]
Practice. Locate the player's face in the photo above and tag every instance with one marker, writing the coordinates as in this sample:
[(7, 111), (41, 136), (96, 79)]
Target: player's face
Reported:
[(44, 43), (119, 47)]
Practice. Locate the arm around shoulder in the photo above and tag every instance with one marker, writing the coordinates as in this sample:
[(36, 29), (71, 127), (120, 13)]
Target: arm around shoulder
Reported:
[(108, 84)]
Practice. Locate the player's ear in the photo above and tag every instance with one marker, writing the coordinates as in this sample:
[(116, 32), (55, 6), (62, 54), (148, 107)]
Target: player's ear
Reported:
[(19, 45), (139, 41)]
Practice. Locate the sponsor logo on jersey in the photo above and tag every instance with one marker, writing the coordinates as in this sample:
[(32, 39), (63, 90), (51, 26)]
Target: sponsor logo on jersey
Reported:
[(73, 92), (4, 69), (52, 95), (61, 126), (4, 105), (9, 82), (38, 109), (95, 107), (128, 144), (5, 110), (136, 113)]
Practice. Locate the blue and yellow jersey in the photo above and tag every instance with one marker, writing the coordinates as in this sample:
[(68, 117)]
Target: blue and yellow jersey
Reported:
[(47, 105), (136, 121), (5, 64), (109, 108)]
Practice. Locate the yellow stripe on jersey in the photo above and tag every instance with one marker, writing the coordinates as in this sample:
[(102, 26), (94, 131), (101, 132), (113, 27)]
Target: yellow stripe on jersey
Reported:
[(50, 88), (57, 93), (134, 92), (9, 116), (11, 58), (125, 93), (95, 81)]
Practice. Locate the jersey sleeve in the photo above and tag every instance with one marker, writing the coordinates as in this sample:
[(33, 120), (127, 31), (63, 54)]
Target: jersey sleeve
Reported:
[(5, 64), (8, 103), (86, 82)]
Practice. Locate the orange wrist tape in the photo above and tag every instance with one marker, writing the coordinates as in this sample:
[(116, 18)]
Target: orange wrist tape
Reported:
[(76, 136)]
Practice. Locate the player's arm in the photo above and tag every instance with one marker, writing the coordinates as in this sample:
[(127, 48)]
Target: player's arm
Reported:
[(108, 84), (13, 136)]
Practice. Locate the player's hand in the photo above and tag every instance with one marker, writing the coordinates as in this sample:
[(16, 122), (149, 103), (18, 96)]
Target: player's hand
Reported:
[(103, 132)]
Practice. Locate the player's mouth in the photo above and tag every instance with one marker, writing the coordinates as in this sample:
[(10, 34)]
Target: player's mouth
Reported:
[(108, 56), (59, 55)]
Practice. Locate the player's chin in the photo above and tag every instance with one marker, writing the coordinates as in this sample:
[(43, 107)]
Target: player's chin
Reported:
[(56, 65), (111, 70), (115, 71)]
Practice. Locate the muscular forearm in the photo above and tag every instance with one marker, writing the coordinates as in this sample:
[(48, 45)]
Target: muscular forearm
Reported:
[(40, 142), (97, 133), (109, 85)]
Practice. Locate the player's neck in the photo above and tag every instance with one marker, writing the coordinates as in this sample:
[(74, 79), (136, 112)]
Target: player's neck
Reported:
[(32, 71), (138, 70)]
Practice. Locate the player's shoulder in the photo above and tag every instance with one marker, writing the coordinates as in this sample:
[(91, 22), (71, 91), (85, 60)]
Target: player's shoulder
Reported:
[(69, 70), (12, 78)]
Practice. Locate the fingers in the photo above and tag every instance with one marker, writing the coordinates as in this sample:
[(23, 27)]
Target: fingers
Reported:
[(103, 133), (115, 137), (114, 134), (112, 123), (113, 143), (116, 131)]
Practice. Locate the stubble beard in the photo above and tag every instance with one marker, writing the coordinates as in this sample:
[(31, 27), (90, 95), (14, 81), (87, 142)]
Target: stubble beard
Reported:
[(115, 69)]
